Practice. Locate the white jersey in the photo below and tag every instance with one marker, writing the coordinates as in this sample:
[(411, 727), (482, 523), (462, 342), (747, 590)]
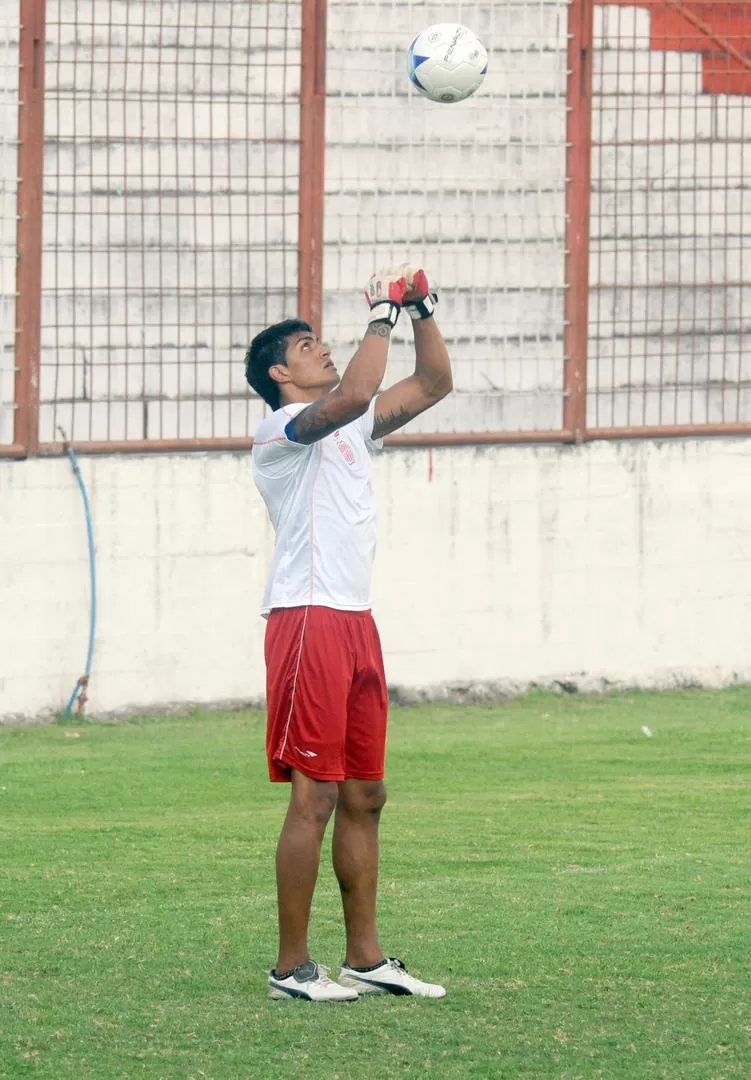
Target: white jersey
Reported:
[(321, 503)]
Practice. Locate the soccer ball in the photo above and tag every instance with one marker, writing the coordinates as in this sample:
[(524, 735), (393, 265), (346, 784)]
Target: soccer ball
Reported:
[(447, 62)]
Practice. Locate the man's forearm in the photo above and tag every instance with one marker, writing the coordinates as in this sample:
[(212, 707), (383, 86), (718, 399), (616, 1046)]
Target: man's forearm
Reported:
[(432, 363), (367, 367)]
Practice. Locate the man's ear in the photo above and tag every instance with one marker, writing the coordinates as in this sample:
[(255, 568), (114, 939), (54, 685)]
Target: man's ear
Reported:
[(280, 373)]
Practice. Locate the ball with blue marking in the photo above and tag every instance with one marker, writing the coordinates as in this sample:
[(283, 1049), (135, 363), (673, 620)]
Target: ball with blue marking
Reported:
[(447, 62)]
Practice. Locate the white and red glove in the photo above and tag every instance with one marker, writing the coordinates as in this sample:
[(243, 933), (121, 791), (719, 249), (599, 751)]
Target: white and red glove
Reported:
[(420, 302), (385, 293), (396, 287)]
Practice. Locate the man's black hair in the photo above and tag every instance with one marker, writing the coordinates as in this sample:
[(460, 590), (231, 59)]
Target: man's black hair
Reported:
[(269, 348)]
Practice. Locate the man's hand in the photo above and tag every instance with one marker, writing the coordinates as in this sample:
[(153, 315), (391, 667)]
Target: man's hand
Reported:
[(419, 302), (385, 293)]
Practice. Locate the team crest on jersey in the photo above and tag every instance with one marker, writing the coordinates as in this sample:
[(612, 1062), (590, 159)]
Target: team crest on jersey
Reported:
[(344, 448)]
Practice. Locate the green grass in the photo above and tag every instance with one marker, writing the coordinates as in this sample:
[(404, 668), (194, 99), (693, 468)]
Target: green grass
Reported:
[(582, 890)]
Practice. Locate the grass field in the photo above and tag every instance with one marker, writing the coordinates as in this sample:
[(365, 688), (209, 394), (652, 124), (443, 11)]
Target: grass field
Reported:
[(581, 889)]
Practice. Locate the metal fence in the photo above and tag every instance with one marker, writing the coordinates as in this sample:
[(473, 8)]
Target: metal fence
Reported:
[(190, 172), (670, 263), (475, 192), (172, 176)]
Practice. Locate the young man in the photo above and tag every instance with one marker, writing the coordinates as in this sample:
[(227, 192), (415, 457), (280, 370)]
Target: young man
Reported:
[(326, 689)]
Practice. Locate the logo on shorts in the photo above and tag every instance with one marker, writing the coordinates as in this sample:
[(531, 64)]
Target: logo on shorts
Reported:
[(305, 753)]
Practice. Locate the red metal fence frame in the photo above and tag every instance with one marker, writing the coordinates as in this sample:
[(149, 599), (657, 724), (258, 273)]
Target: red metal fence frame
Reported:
[(725, 45), (29, 229), (310, 245), (312, 162), (578, 168)]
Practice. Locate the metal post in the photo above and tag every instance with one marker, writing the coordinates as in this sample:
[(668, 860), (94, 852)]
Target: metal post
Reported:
[(312, 147), (578, 174), (29, 226)]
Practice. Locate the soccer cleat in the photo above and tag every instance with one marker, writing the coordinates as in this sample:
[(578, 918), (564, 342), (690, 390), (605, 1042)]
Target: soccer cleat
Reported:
[(309, 981), (388, 977)]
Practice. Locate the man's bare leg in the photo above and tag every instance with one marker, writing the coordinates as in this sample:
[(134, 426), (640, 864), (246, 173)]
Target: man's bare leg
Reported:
[(355, 856), (298, 855)]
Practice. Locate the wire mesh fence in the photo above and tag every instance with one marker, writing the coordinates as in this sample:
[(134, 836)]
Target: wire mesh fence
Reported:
[(9, 35), (670, 263), (180, 168), (474, 191), (171, 181)]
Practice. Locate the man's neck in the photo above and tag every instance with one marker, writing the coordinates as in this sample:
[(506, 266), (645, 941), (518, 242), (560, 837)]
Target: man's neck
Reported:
[(301, 396)]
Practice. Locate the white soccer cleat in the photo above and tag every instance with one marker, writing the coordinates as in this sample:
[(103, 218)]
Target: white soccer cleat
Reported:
[(309, 981), (388, 977)]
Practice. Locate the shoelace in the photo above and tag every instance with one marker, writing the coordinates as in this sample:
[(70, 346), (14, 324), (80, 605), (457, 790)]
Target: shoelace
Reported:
[(323, 973)]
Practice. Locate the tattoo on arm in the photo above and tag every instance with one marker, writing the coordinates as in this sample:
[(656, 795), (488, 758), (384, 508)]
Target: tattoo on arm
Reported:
[(316, 421), (319, 419), (385, 423), (382, 329)]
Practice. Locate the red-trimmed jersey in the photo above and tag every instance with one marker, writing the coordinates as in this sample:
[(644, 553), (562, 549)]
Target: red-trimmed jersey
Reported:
[(321, 503)]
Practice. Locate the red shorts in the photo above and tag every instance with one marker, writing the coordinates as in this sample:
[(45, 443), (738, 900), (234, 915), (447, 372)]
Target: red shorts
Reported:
[(326, 694)]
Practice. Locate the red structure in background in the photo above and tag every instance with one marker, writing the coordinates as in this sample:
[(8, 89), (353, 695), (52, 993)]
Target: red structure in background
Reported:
[(719, 30)]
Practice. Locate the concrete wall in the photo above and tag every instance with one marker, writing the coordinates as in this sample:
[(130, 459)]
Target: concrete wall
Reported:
[(171, 185), (627, 562)]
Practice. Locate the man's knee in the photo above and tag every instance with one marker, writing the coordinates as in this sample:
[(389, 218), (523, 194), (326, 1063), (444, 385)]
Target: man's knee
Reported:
[(313, 800), (362, 796)]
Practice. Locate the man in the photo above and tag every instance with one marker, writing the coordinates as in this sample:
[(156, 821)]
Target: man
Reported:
[(326, 689)]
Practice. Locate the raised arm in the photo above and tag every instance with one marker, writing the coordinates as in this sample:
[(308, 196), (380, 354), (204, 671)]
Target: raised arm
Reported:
[(432, 379), (352, 397)]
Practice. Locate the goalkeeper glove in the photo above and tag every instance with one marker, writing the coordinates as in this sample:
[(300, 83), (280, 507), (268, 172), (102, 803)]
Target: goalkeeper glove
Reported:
[(385, 293), (420, 302)]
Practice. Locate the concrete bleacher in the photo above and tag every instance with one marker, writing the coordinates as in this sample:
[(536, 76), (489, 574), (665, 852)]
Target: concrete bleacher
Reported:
[(170, 229)]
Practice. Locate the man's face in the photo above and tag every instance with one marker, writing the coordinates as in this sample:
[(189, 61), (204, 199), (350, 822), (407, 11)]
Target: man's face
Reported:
[(309, 365)]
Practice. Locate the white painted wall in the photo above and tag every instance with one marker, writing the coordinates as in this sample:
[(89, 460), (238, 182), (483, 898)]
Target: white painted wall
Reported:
[(630, 562)]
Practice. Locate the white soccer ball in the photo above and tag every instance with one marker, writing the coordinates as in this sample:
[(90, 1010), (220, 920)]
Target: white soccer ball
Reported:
[(447, 62)]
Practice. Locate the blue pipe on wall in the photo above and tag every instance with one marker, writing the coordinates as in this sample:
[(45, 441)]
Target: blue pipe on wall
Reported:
[(83, 681)]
